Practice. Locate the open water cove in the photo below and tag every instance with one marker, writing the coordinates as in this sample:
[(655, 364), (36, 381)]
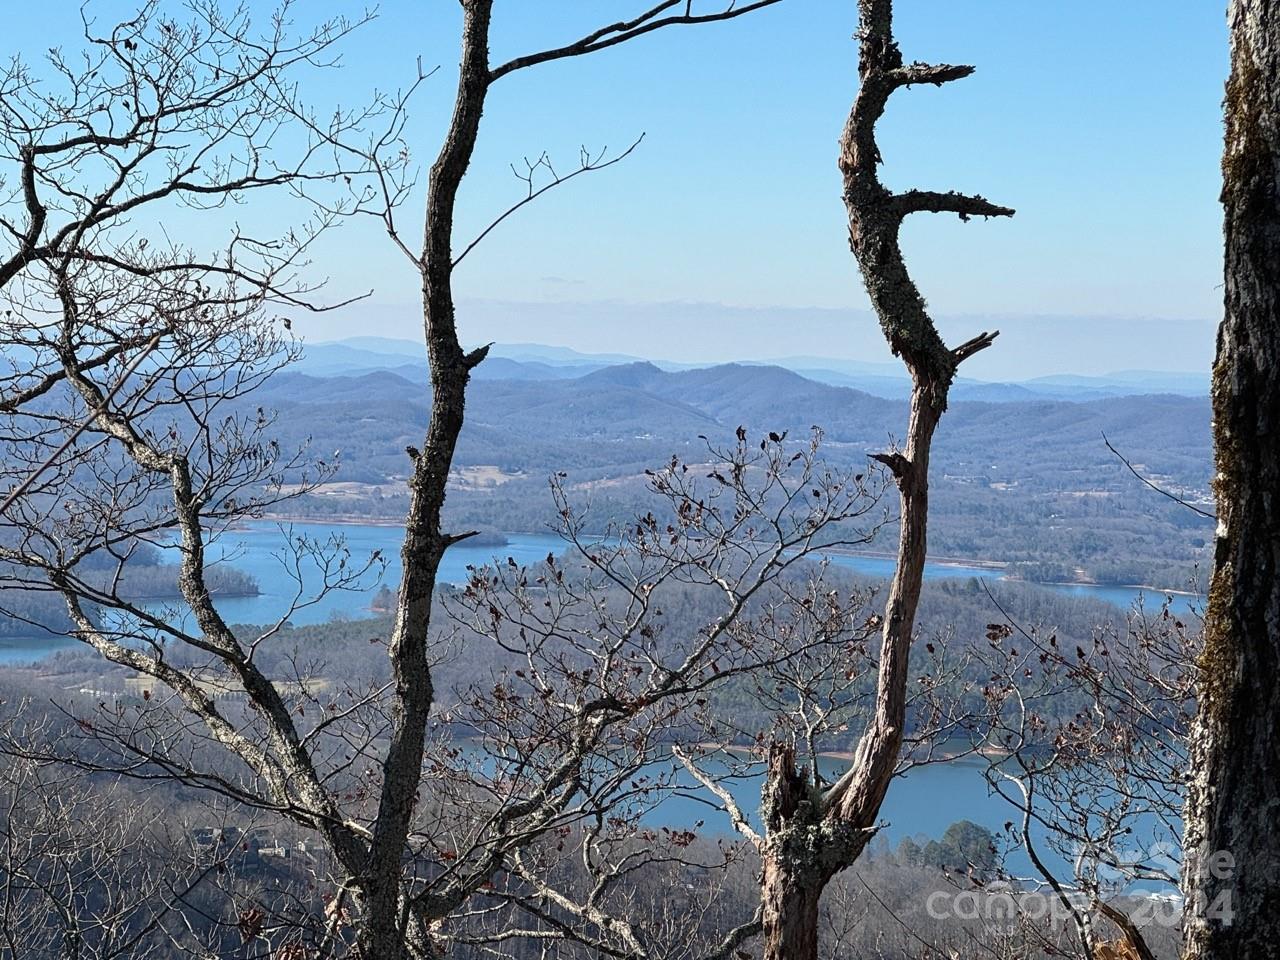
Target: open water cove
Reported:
[(257, 550), (924, 802), (921, 803)]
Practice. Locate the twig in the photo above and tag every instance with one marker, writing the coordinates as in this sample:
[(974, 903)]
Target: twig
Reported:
[(1155, 486), (588, 165), (84, 425)]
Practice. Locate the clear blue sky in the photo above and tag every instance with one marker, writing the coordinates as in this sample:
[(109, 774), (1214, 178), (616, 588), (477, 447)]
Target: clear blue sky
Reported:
[(1099, 121)]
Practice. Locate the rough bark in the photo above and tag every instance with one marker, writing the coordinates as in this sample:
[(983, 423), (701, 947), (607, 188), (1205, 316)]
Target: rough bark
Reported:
[(1234, 790), (800, 854), (812, 837), (425, 540), (395, 923)]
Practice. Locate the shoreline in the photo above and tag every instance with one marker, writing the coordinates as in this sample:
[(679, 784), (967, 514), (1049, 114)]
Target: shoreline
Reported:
[(1141, 587), (944, 561), (936, 561), (846, 756)]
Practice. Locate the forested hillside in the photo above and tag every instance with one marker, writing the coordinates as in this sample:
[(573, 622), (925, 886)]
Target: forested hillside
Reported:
[(1028, 482)]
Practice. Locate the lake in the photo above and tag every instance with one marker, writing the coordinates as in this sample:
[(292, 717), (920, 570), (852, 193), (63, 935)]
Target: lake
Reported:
[(920, 803), (255, 549), (924, 802)]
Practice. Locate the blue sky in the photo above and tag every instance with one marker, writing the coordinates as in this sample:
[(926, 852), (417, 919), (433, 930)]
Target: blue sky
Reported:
[(1099, 121)]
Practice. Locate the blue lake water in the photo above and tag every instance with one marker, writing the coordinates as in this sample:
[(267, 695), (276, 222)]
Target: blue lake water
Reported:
[(256, 550), (920, 804), (924, 802), (25, 649)]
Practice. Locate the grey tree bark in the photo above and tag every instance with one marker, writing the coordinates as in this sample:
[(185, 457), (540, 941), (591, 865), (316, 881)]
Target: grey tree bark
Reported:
[(1234, 791), (156, 113), (813, 836), (397, 926)]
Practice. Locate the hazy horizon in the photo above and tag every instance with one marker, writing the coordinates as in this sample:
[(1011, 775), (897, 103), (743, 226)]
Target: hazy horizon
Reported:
[(728, 216), (1029, 346)]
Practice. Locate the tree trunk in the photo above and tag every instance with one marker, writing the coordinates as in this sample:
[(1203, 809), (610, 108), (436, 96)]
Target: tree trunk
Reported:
[(792, 871), (384, 934), (790, 915), (1233, 801), (811, 835)]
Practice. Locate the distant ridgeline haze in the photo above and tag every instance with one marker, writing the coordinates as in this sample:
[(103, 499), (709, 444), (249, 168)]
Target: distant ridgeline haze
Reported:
[(1021, 474), (1026, 483)]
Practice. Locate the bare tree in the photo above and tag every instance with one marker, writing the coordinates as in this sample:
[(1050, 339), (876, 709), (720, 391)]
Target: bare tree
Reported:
[(450, 368), (1090, 751), (653, 664), (128, 358), (89, 869), (618, 660), (159, 114), (1233, 856), (815, 833)]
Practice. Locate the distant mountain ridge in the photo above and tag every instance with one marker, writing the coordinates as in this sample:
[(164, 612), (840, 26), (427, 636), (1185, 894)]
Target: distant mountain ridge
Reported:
[(610, 417), (1029, 481), (356, 356)]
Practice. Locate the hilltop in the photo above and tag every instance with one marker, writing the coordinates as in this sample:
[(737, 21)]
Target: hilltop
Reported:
[(1025, 481)]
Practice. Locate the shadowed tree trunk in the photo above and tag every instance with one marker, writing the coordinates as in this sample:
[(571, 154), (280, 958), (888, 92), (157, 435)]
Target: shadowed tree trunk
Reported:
[(814, 834), (425, 541), (1234, 794)]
